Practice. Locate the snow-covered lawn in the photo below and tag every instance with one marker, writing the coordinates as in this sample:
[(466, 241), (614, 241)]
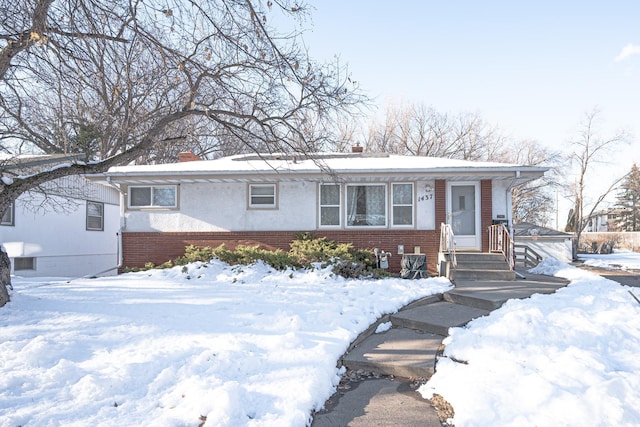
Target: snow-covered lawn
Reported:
[(241, 346), (567, 359), (250, 346), (625, 260)]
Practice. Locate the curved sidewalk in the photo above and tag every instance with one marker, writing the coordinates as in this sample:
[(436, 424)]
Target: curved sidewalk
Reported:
[(384, 369)]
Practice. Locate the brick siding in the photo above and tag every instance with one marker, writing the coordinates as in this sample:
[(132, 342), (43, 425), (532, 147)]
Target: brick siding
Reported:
[(142, 247)]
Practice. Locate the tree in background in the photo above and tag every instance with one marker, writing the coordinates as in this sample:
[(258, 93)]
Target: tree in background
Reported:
[(589, 149), (420, 130), (628, 201), (124, 81), (533, 202)]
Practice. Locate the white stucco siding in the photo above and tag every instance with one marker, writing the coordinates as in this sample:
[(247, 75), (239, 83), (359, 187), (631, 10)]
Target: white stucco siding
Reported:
[(60, 242), (501, 199), (425, 205), (297, 204), (224, 207)]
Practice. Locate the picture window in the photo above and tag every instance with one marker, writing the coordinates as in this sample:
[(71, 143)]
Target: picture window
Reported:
[(366, 205)]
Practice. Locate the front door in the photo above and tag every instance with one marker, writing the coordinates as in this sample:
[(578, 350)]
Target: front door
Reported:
[(463, 214)]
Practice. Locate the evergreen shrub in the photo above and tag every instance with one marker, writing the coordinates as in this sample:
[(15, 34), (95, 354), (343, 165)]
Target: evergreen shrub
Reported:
[(305, 250)]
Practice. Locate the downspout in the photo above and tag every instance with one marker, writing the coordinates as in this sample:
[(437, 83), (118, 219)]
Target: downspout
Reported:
[(509, 202), (122, 222), (509, 207)]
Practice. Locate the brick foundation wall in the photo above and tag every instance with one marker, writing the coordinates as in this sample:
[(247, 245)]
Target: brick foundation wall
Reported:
[(142, 247)]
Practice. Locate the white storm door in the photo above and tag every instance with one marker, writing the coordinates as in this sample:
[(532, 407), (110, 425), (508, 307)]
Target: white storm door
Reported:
[(463, 214)]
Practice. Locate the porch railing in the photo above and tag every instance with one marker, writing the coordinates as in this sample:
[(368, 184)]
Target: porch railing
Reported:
[(500, 241), (448, 243), (529, 256)]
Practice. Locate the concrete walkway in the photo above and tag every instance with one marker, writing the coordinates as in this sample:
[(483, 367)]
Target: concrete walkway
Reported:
[(385, 369)]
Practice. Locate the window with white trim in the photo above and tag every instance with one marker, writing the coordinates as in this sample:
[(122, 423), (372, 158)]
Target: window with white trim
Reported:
[(95, 216), (162, 196), (329, 205), (8, 217), (402, 204), (366, 205), (262, 196)]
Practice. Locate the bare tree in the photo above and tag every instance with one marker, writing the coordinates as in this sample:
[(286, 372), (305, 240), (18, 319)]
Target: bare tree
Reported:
[(419, 130), (589, 149), (124, 81), (533, 202)]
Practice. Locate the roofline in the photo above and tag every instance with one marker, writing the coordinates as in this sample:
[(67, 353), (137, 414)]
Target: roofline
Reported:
[(291, 170), (316, 176)]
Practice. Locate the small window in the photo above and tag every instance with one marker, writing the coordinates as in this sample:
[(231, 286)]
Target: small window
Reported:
[(154, 196), (262, 195), (366, 205), (24, 263), (95, 216), (402, 211), (8, 216), (329, 205)]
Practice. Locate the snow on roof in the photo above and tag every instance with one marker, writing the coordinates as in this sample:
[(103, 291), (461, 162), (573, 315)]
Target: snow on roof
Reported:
[(526, 229), (336, 162)]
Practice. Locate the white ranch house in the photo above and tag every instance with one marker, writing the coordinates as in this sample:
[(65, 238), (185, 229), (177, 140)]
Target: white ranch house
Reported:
[(393, 203)]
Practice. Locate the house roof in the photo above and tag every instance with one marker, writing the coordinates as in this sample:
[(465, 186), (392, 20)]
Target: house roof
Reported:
[(322, 167), (35, 162), (73, 186), (526, 229)]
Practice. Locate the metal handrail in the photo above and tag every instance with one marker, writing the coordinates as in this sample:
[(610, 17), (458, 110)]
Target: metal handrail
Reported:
[(448, 243), (500, 240)]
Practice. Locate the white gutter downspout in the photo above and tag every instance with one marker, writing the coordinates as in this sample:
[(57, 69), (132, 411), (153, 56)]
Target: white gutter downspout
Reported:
[(509, 201), (510, 212), (122, 222)]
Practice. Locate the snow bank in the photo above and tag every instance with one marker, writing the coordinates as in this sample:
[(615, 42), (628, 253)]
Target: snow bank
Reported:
[(235, 346), (566, 359)]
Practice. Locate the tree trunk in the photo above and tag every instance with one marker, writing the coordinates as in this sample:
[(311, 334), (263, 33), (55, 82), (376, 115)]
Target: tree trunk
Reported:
[(5, 276)]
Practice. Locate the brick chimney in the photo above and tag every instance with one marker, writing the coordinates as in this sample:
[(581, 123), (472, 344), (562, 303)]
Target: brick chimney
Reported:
[(187, 156), (356, 149)]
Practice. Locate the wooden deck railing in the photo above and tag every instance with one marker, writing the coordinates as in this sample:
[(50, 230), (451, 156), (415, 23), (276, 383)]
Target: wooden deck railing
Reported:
[(530, 257)]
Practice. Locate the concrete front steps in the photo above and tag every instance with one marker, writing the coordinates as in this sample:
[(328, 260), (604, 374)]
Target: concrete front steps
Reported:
[(481, 266)]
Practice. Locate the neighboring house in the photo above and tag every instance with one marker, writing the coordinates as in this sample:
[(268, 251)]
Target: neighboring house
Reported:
[(544, 241), (393, 203), (598, 222), (70, 232), (606, 220)]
